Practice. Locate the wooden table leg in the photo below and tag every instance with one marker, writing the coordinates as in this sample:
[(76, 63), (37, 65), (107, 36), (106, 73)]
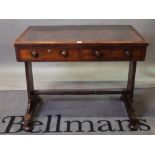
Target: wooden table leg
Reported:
[(32, 97), (128, 98)]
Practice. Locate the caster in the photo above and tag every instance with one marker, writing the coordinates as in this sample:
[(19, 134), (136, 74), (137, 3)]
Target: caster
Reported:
[(133, 126), (27, 127)]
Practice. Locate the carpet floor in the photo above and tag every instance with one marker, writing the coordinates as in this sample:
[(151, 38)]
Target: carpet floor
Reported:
[(89, 114)]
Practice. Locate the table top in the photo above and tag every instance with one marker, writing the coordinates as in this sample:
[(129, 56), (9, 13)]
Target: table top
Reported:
[(82, 34)]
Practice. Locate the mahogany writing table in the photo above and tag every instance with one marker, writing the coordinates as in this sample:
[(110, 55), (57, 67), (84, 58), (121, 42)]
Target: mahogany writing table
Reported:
[(76, 44)]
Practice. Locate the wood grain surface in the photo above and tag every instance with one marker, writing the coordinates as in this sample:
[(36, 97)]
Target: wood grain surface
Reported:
[(80, 43)]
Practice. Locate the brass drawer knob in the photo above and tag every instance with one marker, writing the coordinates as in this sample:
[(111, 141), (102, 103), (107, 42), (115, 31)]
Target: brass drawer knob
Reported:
[(127, 53), (64, 53), (97, 53), (34, 54)]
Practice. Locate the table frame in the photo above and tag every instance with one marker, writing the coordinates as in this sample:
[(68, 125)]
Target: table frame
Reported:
[(126, 95)]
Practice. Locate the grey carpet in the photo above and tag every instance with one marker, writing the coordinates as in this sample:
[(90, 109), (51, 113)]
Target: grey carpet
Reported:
[(90, 114)]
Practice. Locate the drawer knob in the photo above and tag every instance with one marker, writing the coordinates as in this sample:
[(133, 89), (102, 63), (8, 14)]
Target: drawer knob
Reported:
[(64, 53), (35, 54), (97, 53), (49, 51), (127, 53)]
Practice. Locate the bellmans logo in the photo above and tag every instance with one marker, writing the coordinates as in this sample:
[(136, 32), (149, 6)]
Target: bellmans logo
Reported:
[(58, 124)]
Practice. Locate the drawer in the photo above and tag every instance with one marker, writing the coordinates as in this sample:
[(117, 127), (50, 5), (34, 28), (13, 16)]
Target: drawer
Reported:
[(48, 54), (113, 54), (95, 54)]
